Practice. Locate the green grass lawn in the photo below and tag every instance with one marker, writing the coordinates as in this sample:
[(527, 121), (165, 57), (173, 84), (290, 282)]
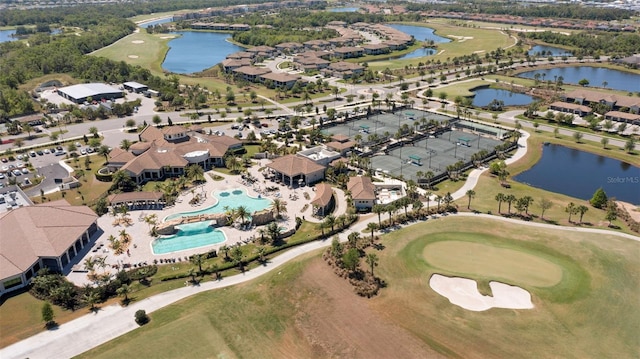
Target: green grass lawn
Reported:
[(478, 40), (150, 52), (596, 292), (23, 308), (461, 88)]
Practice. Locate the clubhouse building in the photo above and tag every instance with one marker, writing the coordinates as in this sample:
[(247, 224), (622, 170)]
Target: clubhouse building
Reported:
[(47, 235), (166, 152)]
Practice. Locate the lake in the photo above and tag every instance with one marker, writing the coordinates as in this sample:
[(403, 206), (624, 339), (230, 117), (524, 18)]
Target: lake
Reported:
[(5, 35), (196, 51), (165, 20), (420, 33), (485, 95), (344, 9), (615, 79), (421, 52), (538, 50), (579, 174)]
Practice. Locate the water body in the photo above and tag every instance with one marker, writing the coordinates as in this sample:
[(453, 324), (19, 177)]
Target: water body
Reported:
[(421, 52), (485, 95), (165, 20), (579, 174), (549, 50), (344, 9), (5, 35), (196, 51), (615, 79), (420, 33)]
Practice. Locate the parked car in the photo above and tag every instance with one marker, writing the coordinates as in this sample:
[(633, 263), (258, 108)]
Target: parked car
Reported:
[(60, 153), (5, 168), (25, 170), (89, 150), (4, 160), (264, 124), (83, 151), (40, 152), (17, 173), (1, 176), (20, 157), (78, 144), (32, 153), (46, 151)]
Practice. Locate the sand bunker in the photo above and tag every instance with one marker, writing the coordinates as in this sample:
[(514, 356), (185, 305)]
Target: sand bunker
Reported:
[(167, 37), (464, 293), (133, 56), (478, 51), (461, 38), (137, 42)]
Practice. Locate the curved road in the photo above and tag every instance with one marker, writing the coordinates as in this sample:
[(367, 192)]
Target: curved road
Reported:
[(92, 330)]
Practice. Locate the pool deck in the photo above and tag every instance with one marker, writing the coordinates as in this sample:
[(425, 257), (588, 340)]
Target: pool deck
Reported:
[(140, 250)]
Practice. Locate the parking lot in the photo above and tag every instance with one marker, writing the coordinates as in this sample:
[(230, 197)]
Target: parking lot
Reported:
[(45, 163)]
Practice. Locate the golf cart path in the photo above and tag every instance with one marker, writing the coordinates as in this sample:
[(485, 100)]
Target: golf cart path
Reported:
[(89, 331)]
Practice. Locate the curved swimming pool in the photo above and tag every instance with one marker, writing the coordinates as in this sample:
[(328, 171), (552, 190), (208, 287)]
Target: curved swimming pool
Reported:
[(231, 199), (189, 236)]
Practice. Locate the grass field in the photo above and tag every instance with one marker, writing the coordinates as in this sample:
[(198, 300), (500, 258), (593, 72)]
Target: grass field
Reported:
[(150, 51), (461, 88), (304, 310), (483, 40)]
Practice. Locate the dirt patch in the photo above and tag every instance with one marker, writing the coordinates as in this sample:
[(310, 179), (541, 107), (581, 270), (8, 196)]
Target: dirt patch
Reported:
[(137, 42), (337, 323), (634, 211), (133, 56)]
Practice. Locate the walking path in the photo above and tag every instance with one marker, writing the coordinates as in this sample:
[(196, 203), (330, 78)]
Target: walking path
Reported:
[(91, 330)]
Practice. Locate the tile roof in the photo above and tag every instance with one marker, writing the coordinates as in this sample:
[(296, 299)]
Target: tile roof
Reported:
[(361, 188), (44, 230), (324, 192), (119, 155), (293, 165)]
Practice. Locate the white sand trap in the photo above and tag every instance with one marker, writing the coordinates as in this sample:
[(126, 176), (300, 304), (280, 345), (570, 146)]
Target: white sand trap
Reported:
[(137, 42), (478, 51), (461, 38), (464, 293), (167, 37), (133, 56)]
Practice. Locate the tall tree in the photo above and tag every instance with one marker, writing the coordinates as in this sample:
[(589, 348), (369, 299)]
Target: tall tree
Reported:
[(470, 194)]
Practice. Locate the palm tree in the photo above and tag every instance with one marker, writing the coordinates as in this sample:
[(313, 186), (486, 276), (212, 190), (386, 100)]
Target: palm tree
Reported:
[(390, 209), (470, 194), (225, 249), (353, 239), (104, 151), (274, 231), (125, 144), (510, 199), (91, 297), (428, 195), (372, 261), (372, 227), (330, 221), (500, 197), (243, 213), (571, 209), (378, 209), (238, 258), (124, 291), (262, 232), (582, 209), (417, 207), (342, 219), (195, 172), (198, 260), (261, 251), (279, 206), (438, 200)]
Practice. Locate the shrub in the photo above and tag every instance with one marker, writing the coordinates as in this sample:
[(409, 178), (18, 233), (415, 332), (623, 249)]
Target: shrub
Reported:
[(141, 317), (599, 199)]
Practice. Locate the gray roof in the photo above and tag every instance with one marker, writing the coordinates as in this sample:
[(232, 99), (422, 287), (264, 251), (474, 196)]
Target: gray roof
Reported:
[(134, 85), (86, 90)]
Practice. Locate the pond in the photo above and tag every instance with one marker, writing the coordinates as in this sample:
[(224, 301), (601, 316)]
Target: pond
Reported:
[(344, 9), (420, 33), (196, 51), (597, 76), (484, 96), (5, 35), (421, 52), (543, 50), (579, 174), (155, 22)]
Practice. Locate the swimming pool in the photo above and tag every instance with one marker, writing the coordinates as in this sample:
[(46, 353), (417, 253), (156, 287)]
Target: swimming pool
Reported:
[(231, 199), (189, 236)]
